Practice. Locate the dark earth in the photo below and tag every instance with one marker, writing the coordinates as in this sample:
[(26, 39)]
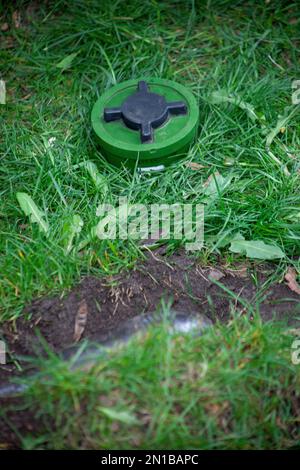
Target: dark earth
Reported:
[(189, 286), (178, 279)]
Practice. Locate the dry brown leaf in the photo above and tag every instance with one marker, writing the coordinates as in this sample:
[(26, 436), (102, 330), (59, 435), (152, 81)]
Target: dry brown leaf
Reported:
[(194, 165), (215, 274), (16, 17), (80, 320), (292, 283)]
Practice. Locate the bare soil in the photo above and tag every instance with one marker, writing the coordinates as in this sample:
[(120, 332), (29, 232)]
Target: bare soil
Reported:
[(181, 279), (109, 301)]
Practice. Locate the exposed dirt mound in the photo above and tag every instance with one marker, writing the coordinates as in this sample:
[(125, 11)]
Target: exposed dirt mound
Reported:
[(105, 302)]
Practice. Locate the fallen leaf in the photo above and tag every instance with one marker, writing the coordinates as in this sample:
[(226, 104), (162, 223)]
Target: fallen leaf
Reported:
[(194, 165), (292, 283), (16, 17), (215, 274), (80, 320)]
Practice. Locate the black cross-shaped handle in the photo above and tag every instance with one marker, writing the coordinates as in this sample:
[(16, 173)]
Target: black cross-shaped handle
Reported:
[(144, 111)]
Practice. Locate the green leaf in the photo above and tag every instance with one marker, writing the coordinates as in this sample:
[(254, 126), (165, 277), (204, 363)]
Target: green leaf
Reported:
[(122, 416), (72, 226), (30, 209), (255, 249), (67, 61), (221, 96)]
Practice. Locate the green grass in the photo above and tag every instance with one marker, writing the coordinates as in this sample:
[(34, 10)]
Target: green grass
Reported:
[(250, 50), (233, 388)]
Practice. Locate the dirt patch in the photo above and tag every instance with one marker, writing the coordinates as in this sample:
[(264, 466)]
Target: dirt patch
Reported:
[(109, 301)]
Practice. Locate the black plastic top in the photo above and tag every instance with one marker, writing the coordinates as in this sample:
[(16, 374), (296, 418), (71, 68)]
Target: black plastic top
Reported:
[(145, 111)]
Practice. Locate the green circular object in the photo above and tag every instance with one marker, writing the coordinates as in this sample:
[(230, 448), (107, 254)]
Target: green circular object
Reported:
[(147, 123)]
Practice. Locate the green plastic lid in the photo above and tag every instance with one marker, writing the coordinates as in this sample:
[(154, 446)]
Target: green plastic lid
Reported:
[(151, 122)]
